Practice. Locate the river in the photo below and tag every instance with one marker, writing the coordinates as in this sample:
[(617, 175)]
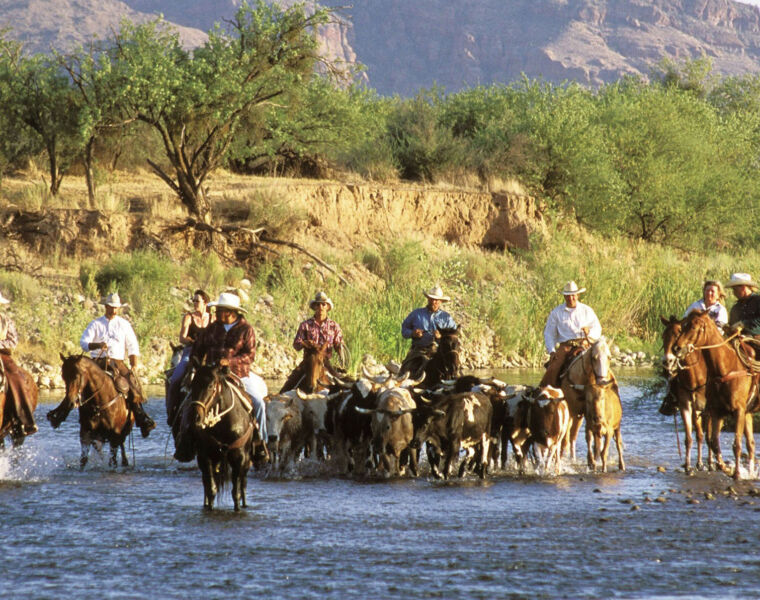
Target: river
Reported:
[(140, 532)]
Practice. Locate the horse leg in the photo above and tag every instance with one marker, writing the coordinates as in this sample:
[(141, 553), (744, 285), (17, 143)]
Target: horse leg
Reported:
[(85, 442), (715, 425), (112, 461), (739, 414), (124, 461), (209, 483), (575, 426), (686, 417), (590, 451), (619, 444), (236, 467), (697, 427), (750, 437), (606, 439)]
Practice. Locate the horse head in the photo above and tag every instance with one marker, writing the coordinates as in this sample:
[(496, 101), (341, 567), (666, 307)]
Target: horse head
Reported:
[(314, 360), (73, 377), (669, 336), (205, 388), (600, 359), (448, 350), (697, 329)]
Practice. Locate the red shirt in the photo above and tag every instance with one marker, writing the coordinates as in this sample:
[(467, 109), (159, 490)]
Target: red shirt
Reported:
[(328, 332), (238, 345)]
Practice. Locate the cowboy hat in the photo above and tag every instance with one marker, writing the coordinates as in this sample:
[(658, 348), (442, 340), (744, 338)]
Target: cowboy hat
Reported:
[(319, 298), (3, 299), (436, 293), (571, 288), (229, 301), (741, 279), (113, 300)]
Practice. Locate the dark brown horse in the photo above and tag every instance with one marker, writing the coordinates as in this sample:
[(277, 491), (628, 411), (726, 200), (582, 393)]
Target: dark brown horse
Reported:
[(311, 373), (10, 424), (442, 364), (223, 431), (688, 385), (730, 386), (103, 413)]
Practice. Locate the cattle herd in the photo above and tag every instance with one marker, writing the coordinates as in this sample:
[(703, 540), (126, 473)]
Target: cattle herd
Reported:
[(378, 424)]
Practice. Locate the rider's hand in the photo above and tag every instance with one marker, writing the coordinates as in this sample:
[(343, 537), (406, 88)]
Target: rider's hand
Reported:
[(437, 334), (224, 362), (417, 333)]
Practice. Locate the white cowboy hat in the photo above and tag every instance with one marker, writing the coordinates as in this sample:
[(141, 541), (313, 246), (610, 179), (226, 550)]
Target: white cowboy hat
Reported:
[(113, 300), (436, 293), (3, 299), (229, 301), (321, 297), (571, 288), (741, 279)]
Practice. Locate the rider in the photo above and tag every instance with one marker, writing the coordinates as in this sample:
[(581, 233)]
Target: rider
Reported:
[(229, 341), (422, 326), (193, 324), (711, 301), (109, 338), (571, 327), (745, 314), (315, 333), (19, 381)]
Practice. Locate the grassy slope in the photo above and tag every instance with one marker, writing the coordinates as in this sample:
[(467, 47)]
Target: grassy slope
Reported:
[(502, 299)]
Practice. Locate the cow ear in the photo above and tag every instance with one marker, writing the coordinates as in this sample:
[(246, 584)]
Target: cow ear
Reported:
[(63, 358), (664, 320)]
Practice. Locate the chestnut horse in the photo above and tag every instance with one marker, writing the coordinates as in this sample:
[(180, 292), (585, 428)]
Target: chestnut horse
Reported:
[(223, 433), (594, 362), (311, 373), (9, 421), (730, 385), (688, 384), (103, 413)]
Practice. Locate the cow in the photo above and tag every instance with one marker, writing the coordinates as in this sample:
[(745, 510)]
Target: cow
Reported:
[(287, 436), (464, 421), (603, 415), (541, 421), (314, 414)]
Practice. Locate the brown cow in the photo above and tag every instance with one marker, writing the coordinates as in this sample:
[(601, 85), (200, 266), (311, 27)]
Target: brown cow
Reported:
[(542, 421), (603, 414)]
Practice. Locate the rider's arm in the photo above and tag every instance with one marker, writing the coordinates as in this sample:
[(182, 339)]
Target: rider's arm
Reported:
[(10, 340), (242, 360), (550, 332), (408, 326), (184, 329), (338, 341), (130, 339), (299, 342), (594, 326), (89, 335)]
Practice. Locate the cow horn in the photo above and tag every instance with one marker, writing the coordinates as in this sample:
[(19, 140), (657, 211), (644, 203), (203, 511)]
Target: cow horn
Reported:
[(365, 411), (337, 380), (301, 395), (366, 373), (415, 382), (448, 382)]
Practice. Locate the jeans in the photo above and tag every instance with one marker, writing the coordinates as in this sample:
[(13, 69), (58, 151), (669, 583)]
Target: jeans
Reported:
[(256, 388), (181, 368)]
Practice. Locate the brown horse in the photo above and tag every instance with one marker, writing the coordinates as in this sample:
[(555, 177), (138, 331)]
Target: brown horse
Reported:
[(688, 385), (594, 362), (103, 413), (223, 431), (730, 386), (603, 415), (9, 421), (311, 373)]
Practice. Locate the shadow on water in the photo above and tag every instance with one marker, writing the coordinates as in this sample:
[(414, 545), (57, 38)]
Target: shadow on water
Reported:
[(140, 532)]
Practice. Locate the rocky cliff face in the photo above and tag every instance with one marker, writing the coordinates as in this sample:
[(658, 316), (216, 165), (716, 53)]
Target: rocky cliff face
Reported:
[(455, 43)]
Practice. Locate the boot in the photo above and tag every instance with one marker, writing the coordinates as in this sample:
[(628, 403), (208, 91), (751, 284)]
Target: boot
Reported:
[(145, 423), (184, 450)]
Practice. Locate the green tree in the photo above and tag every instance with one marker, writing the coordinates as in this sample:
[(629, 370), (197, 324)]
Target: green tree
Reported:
[(36, 95), (196, 100)]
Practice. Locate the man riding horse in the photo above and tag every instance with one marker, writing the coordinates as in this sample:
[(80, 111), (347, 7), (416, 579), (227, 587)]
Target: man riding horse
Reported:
[(423, 326), (570, 329), (108, 339), (19, 384), (227, 342), (745, 314), (316, 333)]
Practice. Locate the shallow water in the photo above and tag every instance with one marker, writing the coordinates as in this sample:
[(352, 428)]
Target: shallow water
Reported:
[(140, 532)]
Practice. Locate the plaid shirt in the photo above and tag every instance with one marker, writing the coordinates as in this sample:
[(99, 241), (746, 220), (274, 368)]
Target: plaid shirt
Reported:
[(328, 332), (8, 335), (238, 345)]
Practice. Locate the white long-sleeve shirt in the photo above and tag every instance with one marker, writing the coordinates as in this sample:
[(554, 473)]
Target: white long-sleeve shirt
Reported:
[(717, 311), (566, 324), (116, 332)]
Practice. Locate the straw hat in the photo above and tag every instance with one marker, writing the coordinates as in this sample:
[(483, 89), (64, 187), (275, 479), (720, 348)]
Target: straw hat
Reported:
[(436, 293), (113, 300), (3, 299), (319, 298), (741, 279), (571, 288), (228, 301)]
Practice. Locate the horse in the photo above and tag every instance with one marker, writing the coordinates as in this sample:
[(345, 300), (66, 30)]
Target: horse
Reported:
[(9, 421), (730, 386), (604, 412), (311, 373), (223, 432), (442, 364), (103, 412), (688, 384), (594, 361)]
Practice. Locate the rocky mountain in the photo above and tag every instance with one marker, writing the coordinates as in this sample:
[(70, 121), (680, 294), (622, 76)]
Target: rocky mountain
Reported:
[(406, 45)]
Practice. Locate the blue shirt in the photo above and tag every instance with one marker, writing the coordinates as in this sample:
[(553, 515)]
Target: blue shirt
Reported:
[(422, 318)]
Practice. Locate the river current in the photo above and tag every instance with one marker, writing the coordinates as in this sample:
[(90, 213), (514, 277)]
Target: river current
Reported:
[(140, 532)]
